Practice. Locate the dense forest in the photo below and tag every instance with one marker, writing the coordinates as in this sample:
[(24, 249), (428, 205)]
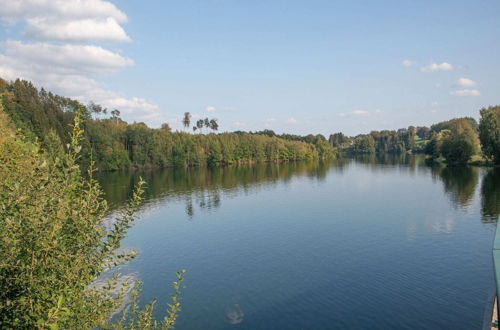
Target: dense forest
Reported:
[(457, 141), (114, 144)]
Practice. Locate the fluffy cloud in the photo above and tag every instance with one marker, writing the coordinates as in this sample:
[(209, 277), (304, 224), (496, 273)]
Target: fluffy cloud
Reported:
[(76, 30), (291, 120), (437, 67), (466, 82), (148, 110), (407, 63), (466, 92), (67, 59), (210, 108), (64, 67), (67, 20), (16, 10)]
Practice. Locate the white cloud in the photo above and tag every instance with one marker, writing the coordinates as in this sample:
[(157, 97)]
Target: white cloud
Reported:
[(466, 92), (437, 67), (16, 10), (291, 120), (66, 59), (67, 20), (466, 82), (407, 63), (360, 112), (76, 30), (210, 108), (238, 124), (71, 69), (148, 111)]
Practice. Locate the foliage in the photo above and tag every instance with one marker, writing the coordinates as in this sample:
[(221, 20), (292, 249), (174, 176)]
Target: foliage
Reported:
[(364, 144), (447, 124), (134, 317), (339, 140), (460, 142), (490, 192), (53, 242), (489, 132), (392, 142), (186, 120), (113, 144)]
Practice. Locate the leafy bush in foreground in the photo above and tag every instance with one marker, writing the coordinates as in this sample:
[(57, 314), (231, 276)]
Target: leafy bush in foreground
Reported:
[(53, 242)]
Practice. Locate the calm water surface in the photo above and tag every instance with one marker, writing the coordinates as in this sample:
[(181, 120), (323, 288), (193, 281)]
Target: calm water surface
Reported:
[(354, 244)]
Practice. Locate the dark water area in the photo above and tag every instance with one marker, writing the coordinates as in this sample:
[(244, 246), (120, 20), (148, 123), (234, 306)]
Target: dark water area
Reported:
[(365, 243)]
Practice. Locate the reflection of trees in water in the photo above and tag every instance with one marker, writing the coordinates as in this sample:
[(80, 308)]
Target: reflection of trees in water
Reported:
[(203, 186), (387, 162), (490, 193), (459, 183)]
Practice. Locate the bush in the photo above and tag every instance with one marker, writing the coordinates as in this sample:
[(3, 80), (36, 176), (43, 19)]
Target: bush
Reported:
[(53, 242)]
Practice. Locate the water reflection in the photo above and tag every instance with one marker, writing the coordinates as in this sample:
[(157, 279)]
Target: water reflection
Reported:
[(263, 242), (490, 195), (459, 183), (203, 188)]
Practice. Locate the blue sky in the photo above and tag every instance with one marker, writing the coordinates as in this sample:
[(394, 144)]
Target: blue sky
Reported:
[(292, 66)]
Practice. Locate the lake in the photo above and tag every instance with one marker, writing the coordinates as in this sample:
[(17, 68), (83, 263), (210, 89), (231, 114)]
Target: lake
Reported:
[(378, 243)]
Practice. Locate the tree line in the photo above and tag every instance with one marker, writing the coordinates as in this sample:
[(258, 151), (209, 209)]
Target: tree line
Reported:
[(114, 144), (457, 141)]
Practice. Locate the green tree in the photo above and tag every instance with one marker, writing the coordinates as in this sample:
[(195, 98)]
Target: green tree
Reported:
[(364, 144), (214, 125), (489, 132), (461, 143), (186, 120), (199, 124), (53, 242), (115, 115)]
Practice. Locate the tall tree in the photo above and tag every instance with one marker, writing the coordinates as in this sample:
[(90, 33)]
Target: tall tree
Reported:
[(96, 109), (115, 114), (214, 125), (489, 132), (461, 143), (186, 121), (199, 124)]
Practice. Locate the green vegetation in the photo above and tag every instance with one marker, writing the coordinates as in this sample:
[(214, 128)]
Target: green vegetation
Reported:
[(54, 243), (392, 142), (114, 144), (457, 141), (489, 133)]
